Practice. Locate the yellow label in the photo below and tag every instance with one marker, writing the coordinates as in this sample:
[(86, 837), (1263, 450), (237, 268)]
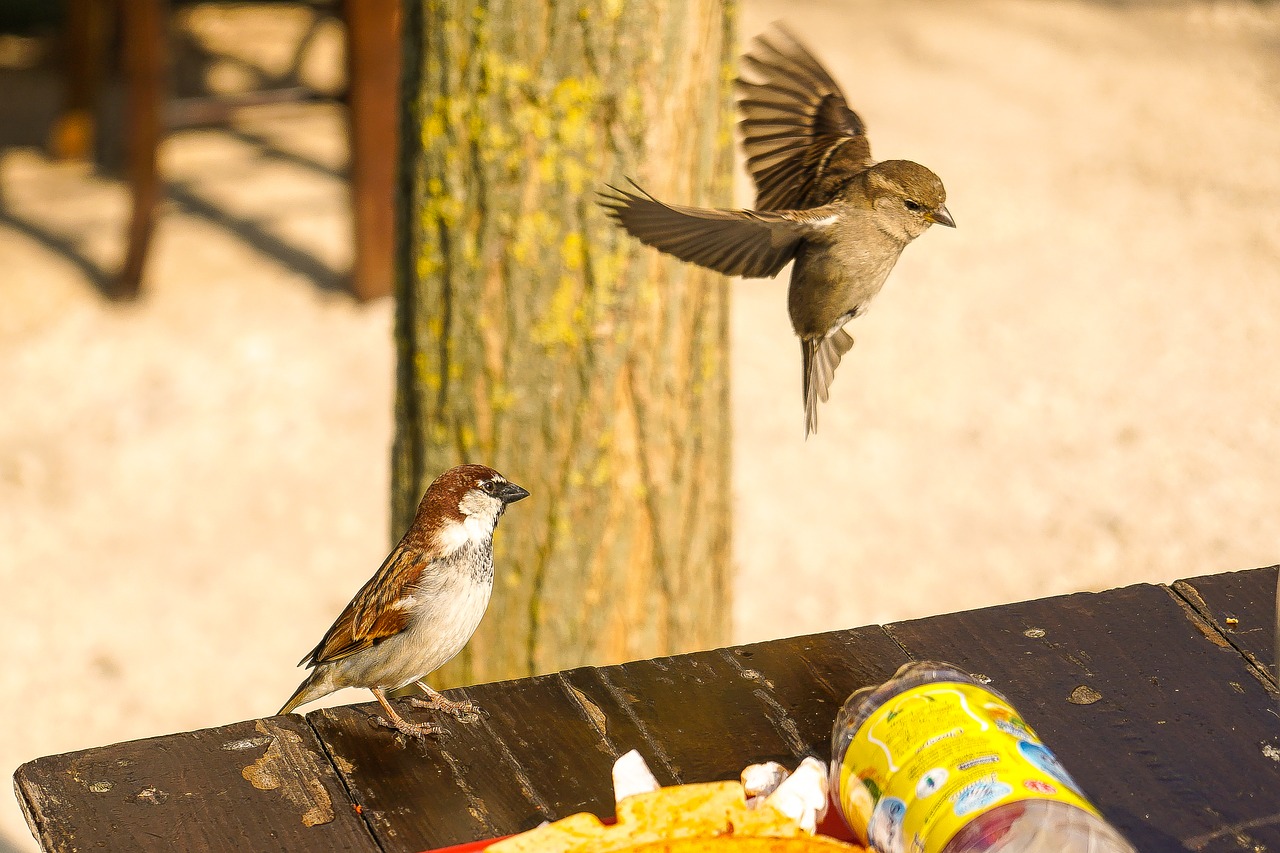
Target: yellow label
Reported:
[(935, 757)]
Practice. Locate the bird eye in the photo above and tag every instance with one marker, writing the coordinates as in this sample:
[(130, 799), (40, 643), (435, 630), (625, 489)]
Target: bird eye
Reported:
[(489, 487), (913, 206)]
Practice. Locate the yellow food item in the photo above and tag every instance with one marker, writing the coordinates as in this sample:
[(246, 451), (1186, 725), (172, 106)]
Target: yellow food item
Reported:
[(711, 817)]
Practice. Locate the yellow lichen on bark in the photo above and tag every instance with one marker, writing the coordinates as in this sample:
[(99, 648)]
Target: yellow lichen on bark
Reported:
[(535, 337)]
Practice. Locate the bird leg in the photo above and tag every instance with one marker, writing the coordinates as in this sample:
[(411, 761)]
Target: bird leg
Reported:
[(399, 723), (467, 712)]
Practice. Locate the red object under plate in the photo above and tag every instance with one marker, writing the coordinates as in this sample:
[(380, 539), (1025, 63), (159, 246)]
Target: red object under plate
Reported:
[(832, 825)]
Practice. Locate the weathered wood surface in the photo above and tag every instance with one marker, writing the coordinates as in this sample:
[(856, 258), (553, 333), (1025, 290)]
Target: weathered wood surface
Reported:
[(1165, 723), (535, 755), (1242, 606), (546, 745), (258, 785), (701, 715)]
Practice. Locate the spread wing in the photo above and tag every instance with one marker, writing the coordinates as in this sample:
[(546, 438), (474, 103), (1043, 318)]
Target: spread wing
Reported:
[(800, 136), (379, 610), (754, 243)]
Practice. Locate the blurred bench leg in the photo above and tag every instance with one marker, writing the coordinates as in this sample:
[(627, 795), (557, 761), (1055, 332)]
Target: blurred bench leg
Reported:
[(83, 59), (373, 60), (144, 41)]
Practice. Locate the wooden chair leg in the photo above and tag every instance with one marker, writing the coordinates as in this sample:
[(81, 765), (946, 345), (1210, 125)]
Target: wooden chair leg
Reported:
[(145, 35), (83, 49), (373, 67)]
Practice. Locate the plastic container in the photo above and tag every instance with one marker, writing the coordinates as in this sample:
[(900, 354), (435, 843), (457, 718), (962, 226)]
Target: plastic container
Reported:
[(933, 761)]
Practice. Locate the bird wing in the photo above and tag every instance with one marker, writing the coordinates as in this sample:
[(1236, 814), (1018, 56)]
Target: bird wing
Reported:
[(801, 139), (379, 610), (754, 243)]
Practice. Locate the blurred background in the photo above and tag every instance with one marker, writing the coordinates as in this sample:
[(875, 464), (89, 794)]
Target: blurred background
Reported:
[(1076, 389)]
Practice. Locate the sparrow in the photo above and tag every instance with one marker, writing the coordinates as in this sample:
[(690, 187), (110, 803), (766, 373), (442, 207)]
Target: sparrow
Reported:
[(821, 202), (422, 605)]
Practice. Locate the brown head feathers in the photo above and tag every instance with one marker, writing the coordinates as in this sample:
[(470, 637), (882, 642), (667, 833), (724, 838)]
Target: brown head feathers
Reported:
[(440, 503)]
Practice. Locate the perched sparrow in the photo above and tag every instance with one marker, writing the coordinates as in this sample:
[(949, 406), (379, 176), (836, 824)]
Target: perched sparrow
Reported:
[(822, 202), (422, 606)]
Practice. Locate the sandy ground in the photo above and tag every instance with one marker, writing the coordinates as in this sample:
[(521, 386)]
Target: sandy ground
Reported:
[(1075, 389)]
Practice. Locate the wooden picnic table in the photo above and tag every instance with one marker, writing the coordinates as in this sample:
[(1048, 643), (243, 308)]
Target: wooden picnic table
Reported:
[(1158, 699)]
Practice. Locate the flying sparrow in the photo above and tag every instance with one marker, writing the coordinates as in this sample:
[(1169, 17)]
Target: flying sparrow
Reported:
[(821, 201), (424, 603)]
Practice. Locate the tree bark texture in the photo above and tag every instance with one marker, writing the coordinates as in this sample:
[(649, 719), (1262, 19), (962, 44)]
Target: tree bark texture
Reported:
[(534, 336)]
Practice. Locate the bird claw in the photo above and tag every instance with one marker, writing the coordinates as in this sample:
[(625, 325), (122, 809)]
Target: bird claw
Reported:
[(466, 711), (404, 727)]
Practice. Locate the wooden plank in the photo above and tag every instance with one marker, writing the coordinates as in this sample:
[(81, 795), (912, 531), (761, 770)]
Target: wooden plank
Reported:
[(257, 785), (1163, 721), (547, 745), (698, 716), (537, 754), (1242, 606), (1165, 725), (810, 677), (704, 716)]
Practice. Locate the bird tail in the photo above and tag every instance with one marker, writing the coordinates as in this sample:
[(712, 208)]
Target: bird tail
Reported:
[(821, 356), (317, 684)]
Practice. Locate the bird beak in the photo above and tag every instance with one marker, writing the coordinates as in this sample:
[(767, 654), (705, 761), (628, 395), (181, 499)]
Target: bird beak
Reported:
[(942, 216), (510, 493)]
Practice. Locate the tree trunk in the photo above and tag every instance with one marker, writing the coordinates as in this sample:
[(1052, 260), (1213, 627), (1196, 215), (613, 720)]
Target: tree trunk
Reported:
[(534, 336)]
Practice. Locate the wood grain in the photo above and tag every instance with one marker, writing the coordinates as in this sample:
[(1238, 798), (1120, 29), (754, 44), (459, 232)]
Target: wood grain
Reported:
[(257, 785), (810, 677), (536, 754), (1176, 750), (1164, 722), (546, 746), (1242, 607), (705, 716)]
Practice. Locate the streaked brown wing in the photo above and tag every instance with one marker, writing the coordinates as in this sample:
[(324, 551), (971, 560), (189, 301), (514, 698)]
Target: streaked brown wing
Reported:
[(734, 242), (371, 616), (800, 136)]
